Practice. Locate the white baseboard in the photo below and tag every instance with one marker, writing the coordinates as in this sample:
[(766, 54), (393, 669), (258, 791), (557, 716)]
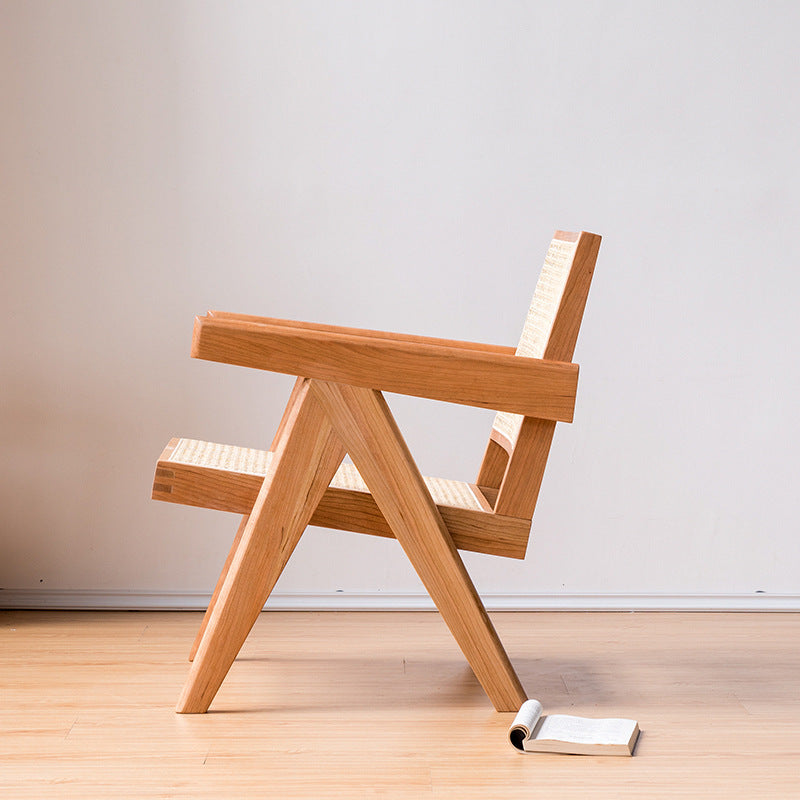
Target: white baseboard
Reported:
[(378, 601)]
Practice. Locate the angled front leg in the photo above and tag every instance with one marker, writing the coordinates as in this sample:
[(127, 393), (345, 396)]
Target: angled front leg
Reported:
[(306, 458), (288, 415), (218, 588), (368, 430)]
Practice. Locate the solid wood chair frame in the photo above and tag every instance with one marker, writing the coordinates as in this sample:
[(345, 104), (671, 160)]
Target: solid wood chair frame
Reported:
[(337, 408)]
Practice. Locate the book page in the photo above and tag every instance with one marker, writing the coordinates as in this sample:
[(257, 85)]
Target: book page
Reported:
[(524, 723), (563, 728)]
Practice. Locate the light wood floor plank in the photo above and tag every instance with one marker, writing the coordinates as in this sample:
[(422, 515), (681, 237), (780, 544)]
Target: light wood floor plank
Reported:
[(363, 705)]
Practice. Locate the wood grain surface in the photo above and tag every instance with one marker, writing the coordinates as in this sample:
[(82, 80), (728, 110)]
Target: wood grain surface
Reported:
[(357, 705)]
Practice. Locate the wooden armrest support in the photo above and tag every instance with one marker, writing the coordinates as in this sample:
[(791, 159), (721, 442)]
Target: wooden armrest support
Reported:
[(456, 372)]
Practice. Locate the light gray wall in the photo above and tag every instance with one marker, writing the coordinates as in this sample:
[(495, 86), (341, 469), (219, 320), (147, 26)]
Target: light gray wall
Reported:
[(402, 166)]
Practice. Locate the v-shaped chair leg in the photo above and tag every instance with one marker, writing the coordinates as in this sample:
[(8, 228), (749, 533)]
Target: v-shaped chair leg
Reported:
[(286, 419), (368, 430), (218, 588), (306, 459)]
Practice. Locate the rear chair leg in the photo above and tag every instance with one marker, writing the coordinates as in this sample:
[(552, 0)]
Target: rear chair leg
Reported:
[(368, 430)]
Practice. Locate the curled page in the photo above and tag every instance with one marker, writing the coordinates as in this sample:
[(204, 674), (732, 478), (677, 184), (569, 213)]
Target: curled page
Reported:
[(524, 723)]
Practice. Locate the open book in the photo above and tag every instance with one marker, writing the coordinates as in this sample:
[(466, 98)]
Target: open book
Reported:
[(558, 733)]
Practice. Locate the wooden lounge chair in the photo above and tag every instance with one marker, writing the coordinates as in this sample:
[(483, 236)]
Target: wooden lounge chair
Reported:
[(337, 408)]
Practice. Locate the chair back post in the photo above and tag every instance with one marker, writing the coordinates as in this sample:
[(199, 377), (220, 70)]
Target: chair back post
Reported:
[(518, 447)]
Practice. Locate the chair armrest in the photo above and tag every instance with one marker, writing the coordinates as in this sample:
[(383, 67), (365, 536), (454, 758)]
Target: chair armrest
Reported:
[(364, 332), (467, 373)]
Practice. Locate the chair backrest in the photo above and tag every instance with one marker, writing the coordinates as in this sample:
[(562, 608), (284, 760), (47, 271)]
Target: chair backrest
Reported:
[(513, 465)]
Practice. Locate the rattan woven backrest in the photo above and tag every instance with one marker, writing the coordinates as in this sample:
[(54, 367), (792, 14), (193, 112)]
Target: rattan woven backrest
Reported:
[(550, 331)]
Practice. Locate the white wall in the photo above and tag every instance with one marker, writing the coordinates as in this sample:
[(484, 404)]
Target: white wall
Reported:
[(402, 166)]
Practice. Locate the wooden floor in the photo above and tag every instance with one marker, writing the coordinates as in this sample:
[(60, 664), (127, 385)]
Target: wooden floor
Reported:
[(364, 705)]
